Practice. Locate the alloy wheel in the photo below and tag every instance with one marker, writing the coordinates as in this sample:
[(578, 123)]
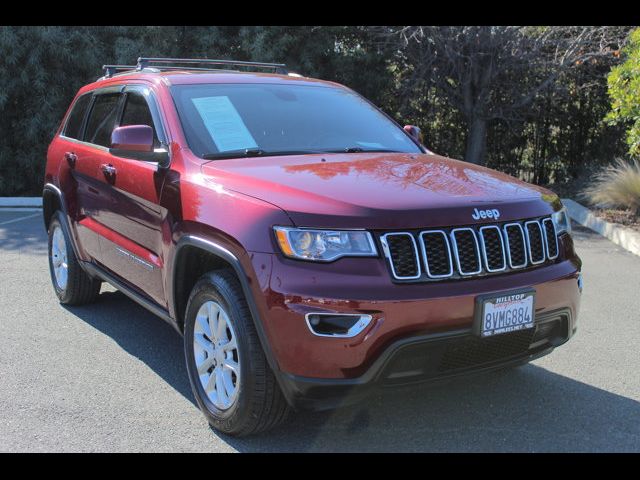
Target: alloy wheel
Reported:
[(216, 354)]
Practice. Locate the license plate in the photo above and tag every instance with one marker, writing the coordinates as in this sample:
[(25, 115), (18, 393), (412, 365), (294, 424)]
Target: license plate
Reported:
[(504, 312)]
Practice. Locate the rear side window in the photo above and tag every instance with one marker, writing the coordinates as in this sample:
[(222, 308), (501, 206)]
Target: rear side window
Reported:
[(136, 112), (102, 119), (76, 117)]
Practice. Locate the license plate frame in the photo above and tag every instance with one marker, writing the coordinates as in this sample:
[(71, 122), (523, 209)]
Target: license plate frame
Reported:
[(479, 312)]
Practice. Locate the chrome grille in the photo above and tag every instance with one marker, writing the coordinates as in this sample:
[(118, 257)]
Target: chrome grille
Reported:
[(466, 251), (470, 251), (535, 242), (492, 249), (516, 245), (402, 251), (550, 238), (436, 254)]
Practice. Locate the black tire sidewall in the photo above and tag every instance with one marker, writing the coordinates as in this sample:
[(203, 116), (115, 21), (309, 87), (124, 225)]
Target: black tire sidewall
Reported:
[(216, 288)]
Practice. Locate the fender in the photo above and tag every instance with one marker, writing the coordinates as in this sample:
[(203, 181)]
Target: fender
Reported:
[(231, 259)]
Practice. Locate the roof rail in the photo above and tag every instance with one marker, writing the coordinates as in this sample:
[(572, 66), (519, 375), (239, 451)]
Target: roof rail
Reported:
[(111, 70), (144, 62)]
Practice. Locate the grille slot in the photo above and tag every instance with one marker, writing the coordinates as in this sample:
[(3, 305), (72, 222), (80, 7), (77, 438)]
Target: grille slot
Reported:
[(516, 246), (402, 251), (450, 355), (436, 253), (478, 351), (535, 242), (550, 238), (492, 249), (466, 251)]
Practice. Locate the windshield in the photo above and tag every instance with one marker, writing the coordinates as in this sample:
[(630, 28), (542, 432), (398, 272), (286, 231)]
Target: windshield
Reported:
[(220, 120)]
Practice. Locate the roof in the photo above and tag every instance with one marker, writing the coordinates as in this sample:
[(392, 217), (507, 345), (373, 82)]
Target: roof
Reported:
[(191, 77)]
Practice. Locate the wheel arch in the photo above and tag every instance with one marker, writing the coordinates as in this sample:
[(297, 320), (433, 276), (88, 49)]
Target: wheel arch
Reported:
[(52, 200), (211, 256)]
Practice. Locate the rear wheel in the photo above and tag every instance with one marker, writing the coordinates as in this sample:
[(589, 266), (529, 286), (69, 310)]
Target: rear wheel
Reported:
[(72, 284), (229, 374)]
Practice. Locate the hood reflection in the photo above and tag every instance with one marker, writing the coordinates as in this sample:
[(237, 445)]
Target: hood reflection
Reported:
[(434, 173)]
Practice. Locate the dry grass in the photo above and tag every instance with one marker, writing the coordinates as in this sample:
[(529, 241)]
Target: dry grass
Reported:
[(616, 186), (626, 218)]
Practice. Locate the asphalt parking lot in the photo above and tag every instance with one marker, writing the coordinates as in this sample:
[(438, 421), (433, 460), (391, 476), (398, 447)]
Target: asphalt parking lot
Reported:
[(111, 377)]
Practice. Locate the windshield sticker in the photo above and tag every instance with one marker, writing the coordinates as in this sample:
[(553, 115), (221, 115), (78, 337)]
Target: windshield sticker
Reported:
[(224, 123)]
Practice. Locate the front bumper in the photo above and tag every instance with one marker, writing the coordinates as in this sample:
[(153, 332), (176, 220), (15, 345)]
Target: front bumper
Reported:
[(432, 358), (433, 320)]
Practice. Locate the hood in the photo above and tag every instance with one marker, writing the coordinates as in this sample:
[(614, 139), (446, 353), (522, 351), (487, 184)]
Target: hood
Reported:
[(381, 190)]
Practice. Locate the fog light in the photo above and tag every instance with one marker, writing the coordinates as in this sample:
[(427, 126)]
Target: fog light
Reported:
[(580, 282), (337, 325)]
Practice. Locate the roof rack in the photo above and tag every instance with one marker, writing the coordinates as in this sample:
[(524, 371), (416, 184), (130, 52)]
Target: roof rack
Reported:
[(165, 64), (111, 70)]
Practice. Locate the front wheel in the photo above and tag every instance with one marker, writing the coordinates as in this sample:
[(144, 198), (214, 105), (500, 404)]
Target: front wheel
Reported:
[(229, 374)]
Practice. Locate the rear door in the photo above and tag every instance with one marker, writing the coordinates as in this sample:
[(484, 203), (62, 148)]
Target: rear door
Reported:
[(85, 157), (132, 219)]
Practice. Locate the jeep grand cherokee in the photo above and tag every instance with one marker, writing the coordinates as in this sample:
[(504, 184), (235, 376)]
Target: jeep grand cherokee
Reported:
[(305, 246)]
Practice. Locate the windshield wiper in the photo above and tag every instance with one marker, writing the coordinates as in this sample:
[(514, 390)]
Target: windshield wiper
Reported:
[(362, 150), (245, 152), (254, 152)]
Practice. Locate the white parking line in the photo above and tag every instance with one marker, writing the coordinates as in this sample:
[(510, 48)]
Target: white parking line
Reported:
[(20, 218), (19, 209)]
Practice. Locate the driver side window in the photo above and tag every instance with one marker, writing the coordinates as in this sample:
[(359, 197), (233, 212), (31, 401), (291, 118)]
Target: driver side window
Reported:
[(136, 112)]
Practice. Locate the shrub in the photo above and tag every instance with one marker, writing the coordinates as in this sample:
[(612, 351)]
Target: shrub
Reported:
[(617, 186)]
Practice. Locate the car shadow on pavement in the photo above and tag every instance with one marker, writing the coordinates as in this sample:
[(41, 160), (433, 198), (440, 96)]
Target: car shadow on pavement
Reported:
[(527, 409), (141, 334), (524, 409)]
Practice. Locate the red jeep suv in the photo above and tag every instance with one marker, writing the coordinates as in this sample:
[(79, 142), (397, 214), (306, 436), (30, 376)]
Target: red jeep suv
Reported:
[(306, 246)]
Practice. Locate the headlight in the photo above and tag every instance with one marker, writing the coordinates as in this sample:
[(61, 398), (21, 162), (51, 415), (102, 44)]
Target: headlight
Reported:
[(324, 245), (561, 221)]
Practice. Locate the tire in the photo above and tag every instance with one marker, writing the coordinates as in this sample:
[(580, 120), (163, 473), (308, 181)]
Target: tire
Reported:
[(72, 284), (254, 402)]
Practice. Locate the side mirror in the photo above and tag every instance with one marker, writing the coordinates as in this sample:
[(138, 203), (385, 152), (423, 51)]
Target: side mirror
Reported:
[(415, 133), (132, 138), (136, 142)]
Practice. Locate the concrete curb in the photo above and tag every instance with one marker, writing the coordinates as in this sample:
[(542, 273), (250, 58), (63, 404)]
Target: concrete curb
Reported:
[(625, 237), (20, 203)]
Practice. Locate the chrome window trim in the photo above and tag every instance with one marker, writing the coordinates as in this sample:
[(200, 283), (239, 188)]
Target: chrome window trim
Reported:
[(424, 253), (387, 253), (455, 250), (555, 237), (484, 248), (357, 328), (542, 234), (524, 244), (86, 144)]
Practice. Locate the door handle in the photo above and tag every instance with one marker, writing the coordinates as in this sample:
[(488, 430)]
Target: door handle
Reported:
[(108, 170), (71, 158)]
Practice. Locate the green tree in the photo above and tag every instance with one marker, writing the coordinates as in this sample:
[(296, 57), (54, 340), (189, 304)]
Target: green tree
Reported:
[(624, 90), (496, 73), (532, 119)]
